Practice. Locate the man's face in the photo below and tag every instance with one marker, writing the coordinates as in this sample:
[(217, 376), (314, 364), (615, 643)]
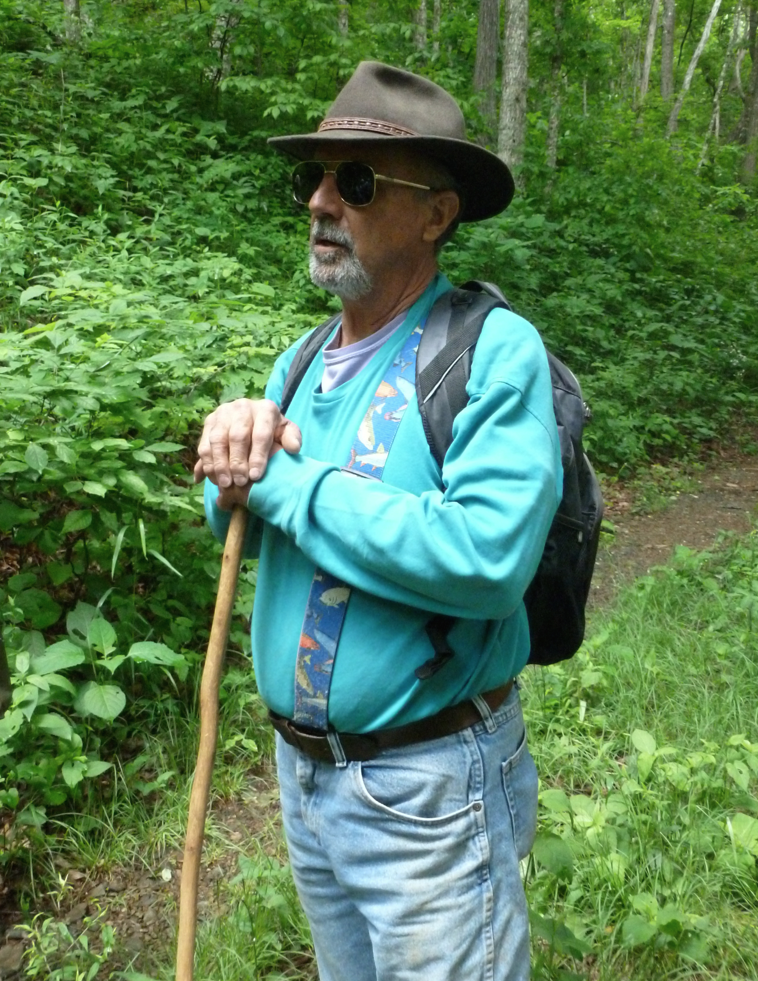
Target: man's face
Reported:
[(357, 250)]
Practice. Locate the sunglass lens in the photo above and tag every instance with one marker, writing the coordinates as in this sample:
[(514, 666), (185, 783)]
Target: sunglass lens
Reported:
[(355, 183), (306, 178)]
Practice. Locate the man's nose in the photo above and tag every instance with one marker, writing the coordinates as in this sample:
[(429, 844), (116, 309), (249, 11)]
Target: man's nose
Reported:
[(326, 199)]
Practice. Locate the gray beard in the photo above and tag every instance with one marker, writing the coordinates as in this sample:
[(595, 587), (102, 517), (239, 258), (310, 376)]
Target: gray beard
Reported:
[(341, 272)]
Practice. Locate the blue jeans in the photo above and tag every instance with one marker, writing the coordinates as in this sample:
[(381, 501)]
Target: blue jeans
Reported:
[(407, 866)]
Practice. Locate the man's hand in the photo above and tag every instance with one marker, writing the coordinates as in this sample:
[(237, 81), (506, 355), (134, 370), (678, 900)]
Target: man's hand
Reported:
[(239, 438)]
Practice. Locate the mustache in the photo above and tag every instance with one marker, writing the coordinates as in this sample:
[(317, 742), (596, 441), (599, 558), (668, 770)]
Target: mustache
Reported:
[(324, 228)]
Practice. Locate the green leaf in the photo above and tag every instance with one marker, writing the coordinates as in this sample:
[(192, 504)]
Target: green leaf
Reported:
[(78, 621), (643, 741), (102, 636), (58, 681), (116, 550), (58, 657), (744, 830), (72, 772), (160, 558), (164, 447), (59, 572), (31, 816), (103, 701), (555, 799), (55, 724), (77, 521), (636, 931), (111, 663), (93, 487), (36, 457), (64, 453), (39, 609), (149, 652), (739, 773), (554, 854), (133, 483), (141, 526), (21, 581), (31, 293), (10, 723), (12, 515), (96, 768), (142, 456)]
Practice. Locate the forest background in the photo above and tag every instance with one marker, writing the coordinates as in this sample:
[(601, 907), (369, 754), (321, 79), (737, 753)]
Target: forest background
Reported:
[(152, 264)]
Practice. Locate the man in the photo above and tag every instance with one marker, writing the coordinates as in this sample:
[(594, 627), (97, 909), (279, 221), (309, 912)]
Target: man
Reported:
[(408, 793)]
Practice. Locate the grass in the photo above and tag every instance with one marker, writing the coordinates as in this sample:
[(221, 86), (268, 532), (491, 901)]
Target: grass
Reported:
[(647, 743), (644, 867)]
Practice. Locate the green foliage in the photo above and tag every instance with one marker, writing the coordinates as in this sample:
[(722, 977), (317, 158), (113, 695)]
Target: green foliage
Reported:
[(54, 953), (648, 837)]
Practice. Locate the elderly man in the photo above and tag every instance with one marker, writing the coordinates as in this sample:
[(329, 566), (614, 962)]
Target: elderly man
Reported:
[(408, 795)]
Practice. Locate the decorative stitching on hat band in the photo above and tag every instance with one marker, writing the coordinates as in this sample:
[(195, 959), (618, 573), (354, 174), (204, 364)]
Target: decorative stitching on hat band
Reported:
[(366, 125)]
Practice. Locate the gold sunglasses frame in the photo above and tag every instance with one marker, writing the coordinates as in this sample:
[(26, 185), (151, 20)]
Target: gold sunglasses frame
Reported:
[(377, 177)]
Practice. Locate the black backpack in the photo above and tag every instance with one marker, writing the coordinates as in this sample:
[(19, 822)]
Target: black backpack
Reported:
[(557, 596)]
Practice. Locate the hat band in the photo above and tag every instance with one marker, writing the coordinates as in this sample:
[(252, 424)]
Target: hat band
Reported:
[(366, 125)]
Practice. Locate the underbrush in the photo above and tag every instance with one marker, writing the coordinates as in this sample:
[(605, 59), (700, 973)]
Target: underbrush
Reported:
[(645, 862), (647, 745)]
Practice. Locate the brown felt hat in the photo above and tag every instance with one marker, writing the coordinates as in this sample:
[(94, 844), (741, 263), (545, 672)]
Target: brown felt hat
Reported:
[(380, 103)]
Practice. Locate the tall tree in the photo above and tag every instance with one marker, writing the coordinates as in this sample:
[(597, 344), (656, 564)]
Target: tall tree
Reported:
[(72, 18), (750, 112), (436, 24), (512, 128), (667, 49), (419, 18), (674, 117), (485, 67), (556, 83), (343, 22), (715, 123), (649, 45)]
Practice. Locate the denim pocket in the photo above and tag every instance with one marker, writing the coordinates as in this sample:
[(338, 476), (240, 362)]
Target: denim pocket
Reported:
[(423, 786), (521, 785)]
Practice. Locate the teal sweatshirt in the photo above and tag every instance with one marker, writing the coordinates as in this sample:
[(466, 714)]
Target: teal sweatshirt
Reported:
[(465, 541)]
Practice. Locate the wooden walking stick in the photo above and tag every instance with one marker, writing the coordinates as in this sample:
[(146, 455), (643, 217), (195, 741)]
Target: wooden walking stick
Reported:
[(209, 687)]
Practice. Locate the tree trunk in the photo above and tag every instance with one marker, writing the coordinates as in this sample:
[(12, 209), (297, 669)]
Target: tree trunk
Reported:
[(436, 24), (674, 117), (72, 19), (739, 133), (343, 22), (556, 81), (485, 69), (750, 112), (419, 17), (667, 50), (223, 35), (512, 129), (651, 31), (714, 125)]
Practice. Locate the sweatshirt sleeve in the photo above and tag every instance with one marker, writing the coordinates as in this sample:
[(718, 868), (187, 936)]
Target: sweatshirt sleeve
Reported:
[(219, 519), (468, 549)]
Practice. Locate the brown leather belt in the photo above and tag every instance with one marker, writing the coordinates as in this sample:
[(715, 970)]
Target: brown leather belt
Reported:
[(359, 747)]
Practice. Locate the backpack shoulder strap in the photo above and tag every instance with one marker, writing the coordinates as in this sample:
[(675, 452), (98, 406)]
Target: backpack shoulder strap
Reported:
[(443, 365), (302, 360)]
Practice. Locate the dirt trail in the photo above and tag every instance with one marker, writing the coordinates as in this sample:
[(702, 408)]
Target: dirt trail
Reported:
[(142, 905), (723, 498)]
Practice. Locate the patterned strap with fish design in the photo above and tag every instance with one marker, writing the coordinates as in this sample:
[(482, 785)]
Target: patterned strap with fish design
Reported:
[(328, 597)]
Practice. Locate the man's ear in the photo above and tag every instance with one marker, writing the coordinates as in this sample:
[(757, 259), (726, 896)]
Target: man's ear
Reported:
[(445, 205)]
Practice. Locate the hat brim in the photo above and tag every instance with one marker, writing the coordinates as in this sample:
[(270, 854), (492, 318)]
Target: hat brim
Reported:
[(484, 177)]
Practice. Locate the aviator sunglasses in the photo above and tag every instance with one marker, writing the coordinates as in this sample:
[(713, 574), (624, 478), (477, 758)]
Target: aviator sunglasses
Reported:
[(356, 182)]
